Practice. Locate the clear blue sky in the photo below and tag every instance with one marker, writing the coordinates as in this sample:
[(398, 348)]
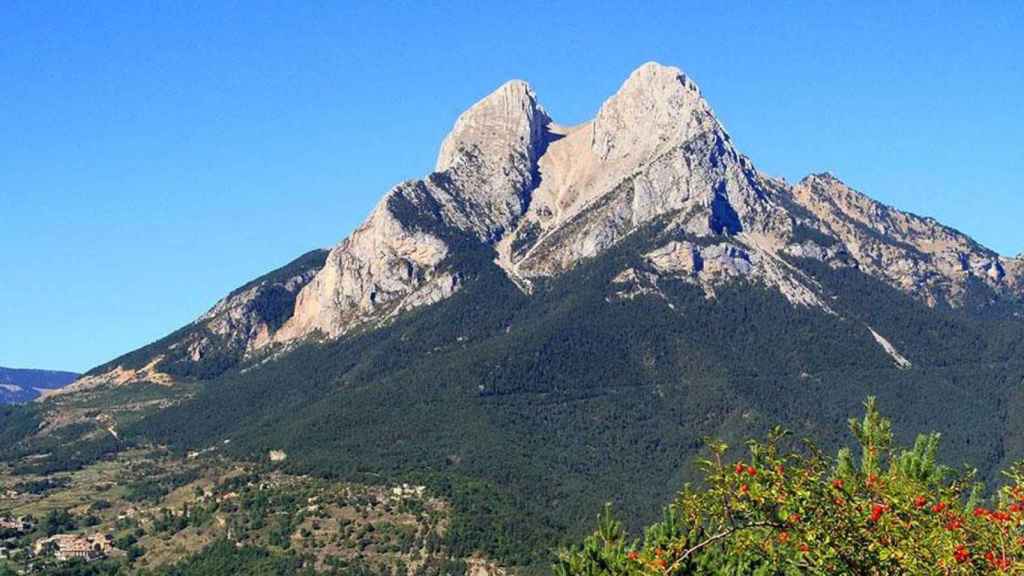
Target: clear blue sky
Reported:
[(155, 156)]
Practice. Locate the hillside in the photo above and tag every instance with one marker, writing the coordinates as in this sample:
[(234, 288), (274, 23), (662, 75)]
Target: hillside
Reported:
[(557, 317)]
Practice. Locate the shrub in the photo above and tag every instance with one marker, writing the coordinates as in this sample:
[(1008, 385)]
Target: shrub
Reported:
[(888, 510)]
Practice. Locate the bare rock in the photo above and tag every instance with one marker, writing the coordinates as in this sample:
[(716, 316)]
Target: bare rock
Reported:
[(383, 262), (915, 254), (656, 108), (491, 153)]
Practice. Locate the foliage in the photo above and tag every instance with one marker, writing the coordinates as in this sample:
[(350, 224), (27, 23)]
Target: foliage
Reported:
[(224, 557), (40, 486), (488, 395), (153, 488), (59, 521), (83, 568), (890, 510), (64, 454), (17, 423)]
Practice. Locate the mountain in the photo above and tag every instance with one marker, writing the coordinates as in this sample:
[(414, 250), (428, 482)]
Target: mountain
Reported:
[(545, 197), (557, 316), (19, 385)]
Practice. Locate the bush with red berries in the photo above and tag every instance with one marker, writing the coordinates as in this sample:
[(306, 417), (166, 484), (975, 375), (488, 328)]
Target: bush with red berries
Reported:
[(887, 510)]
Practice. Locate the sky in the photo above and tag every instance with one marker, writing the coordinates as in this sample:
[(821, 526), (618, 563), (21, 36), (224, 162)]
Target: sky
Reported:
[(154, 156)]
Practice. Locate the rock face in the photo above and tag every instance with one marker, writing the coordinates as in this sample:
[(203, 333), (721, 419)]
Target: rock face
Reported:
[(241, 323), (395, 260), (656, 108), (246, 319), (544, 197), (547, 196), (917, 255), (491, 154), (654, 150)]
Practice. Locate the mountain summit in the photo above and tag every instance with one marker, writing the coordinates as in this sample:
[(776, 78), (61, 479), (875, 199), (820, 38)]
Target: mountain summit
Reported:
[(544, 197)]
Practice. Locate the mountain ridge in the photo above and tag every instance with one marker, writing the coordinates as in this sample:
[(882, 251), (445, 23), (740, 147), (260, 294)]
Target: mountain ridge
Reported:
[(26, 384), (544, 197)]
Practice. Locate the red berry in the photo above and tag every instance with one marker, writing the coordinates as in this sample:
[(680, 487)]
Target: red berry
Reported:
[(876, 511), (961, 554), (999, 516), (783, 537), (1000, 563), (751, 471), (837, 483), (920, 502), (739, 467), (939, 507)]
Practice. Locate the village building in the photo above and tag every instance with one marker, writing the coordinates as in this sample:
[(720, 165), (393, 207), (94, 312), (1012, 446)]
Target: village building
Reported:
[(74, 546), (20, 524)]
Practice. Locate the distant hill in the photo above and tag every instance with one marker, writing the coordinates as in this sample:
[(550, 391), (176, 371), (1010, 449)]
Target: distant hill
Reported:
[(23, 385)]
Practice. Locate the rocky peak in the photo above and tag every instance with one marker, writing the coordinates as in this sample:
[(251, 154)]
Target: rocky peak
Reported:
[(485, 171), (654, 149), (491, 154), (657, 107), (546, 197), (506, 122)]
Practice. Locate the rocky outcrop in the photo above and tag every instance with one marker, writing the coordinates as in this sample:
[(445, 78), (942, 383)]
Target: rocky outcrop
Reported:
[(394, 261), (248, 317), (241, 323), (490, 156), (654, 149), (897, 358), (656, 108), (1015, 273), (384, 262), (917, 255), (718, 264)]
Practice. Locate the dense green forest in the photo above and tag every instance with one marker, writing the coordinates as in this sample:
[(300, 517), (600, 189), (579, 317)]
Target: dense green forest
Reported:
[(528, 413)]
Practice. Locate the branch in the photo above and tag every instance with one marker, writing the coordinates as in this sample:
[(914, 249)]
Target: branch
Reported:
[(715, 538)]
